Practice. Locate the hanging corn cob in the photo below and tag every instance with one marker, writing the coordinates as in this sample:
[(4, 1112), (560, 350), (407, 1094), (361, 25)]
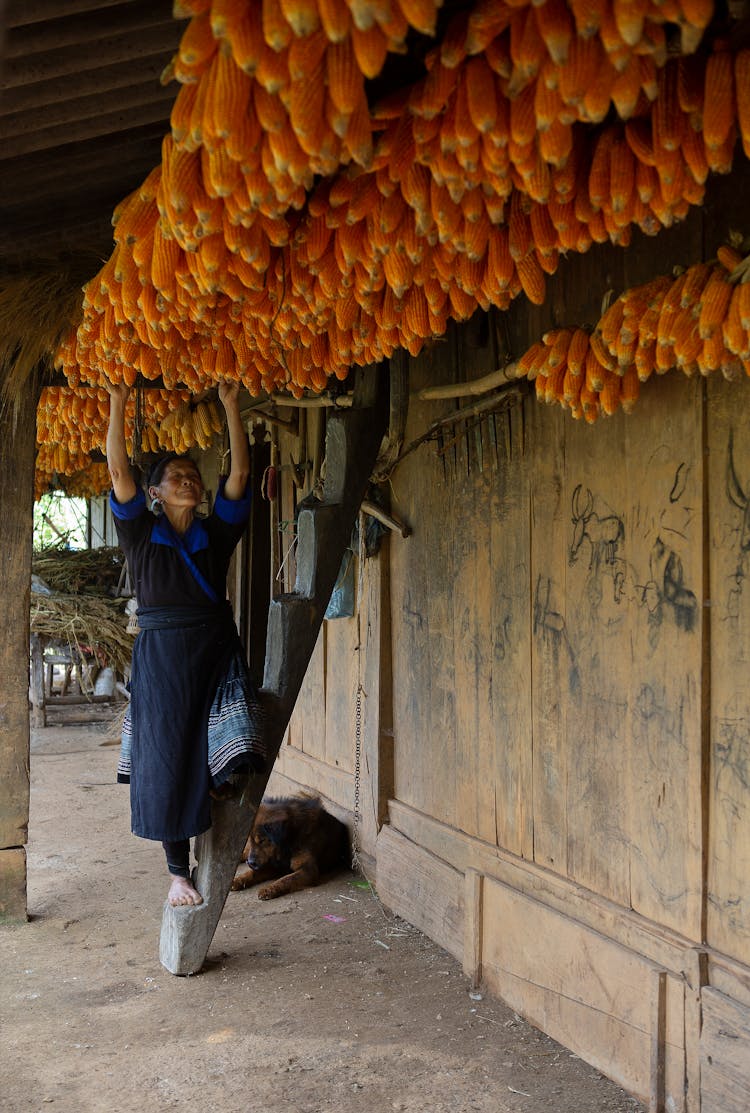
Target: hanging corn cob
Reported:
[(459, 192), (697, 321)]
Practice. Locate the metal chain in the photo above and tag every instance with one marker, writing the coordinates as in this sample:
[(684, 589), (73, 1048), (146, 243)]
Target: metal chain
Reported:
[(356, 866), (357, 815)]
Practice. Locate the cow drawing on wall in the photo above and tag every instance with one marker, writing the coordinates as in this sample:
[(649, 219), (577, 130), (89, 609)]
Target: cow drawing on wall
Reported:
[(602, 536), (736, 495)]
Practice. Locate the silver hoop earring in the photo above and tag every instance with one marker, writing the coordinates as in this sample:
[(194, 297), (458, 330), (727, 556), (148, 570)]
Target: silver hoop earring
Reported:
[(156, 507)]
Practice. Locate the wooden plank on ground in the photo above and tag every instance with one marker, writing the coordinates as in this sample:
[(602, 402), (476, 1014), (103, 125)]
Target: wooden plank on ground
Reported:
[(425, 891), (585, 991)]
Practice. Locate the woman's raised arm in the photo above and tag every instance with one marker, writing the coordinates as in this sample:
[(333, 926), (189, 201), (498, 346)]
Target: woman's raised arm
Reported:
[(239, 470), (123, 483)]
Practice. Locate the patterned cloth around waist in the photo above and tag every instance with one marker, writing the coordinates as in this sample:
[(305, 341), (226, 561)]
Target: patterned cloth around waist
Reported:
[(235, 721)]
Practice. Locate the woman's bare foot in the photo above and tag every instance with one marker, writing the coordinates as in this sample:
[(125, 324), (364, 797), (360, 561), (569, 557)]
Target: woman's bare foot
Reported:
[(182, 892)]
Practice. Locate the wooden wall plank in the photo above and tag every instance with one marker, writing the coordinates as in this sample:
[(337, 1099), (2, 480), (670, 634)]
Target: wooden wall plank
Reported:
[(416, 885), (508, 630), (665, 520), (471, 599), (598, 596), (725, 1054), (728, 914), (307, 726), (582, 989), (343, 674), (554, 666), (422, 614)]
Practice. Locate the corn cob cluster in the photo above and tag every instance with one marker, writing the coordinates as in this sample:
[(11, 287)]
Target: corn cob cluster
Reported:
[(698, 321), (88, 483), (71, 423), (293, 230), (458, 192)]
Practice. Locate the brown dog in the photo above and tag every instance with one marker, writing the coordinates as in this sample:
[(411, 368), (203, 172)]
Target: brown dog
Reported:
[(293, 840)]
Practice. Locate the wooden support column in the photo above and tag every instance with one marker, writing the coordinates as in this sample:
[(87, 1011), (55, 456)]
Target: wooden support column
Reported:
[(37, 695), (17, 446)]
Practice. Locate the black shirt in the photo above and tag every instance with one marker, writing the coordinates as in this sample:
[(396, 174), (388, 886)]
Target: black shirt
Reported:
[(159, 574)]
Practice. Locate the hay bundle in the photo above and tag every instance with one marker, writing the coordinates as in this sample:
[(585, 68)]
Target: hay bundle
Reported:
[(92, 571), (87, 624), (38, 307)]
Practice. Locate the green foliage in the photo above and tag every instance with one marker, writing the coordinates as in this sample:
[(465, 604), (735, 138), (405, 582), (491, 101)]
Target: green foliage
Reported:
[(60, 522)]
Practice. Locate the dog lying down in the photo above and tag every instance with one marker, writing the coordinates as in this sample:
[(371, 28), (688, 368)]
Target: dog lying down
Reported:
[(294, 841)]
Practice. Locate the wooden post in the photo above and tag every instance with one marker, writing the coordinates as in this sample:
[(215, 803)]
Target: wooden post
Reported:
[(658, 1040), (37, 695), (17, 443), (473, 912)]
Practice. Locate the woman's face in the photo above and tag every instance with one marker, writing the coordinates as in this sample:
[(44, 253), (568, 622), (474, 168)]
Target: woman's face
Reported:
[(181, 486)]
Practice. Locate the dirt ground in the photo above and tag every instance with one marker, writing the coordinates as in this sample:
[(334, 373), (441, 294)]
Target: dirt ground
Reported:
[(322, 1000)]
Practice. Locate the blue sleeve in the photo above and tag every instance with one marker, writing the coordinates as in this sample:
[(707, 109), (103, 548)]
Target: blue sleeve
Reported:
[(126, 511), (232, 511)]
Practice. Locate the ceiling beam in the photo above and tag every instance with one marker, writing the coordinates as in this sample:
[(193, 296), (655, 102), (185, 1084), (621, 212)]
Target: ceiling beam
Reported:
[(108, 123), (114, 50), (61, 119), (99, 80), (69, 32), (19, 13)]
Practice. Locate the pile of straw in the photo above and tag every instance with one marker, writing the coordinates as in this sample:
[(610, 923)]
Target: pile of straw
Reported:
[(38, 306), (86, 624), (92, 571)]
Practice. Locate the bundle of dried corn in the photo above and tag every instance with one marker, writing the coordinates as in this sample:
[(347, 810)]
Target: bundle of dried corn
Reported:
[(698, 321), (71, 423), (461, 191)]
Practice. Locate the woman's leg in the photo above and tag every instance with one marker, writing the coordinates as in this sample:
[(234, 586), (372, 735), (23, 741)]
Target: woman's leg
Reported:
[(182, 891)]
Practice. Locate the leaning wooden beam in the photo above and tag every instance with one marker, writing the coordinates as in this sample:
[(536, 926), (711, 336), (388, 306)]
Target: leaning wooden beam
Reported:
[(294, 619)]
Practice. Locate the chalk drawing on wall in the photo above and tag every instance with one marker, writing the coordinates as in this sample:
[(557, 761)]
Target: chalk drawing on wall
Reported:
[(736, 493), (665, 595), (550, 626), (596, 543)]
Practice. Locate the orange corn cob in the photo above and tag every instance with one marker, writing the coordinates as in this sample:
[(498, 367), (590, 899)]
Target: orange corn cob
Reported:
[(481, 95), (714, 304), (532, 279), (718, 107)]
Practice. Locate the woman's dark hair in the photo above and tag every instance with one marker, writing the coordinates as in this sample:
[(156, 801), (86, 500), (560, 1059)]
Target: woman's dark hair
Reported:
[(157, 469)]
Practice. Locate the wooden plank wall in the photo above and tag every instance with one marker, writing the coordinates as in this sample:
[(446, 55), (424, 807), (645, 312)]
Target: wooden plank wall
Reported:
[(568, 630)]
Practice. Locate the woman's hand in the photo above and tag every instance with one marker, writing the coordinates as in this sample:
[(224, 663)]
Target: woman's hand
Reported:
[(120, 391), (229, 393), (239, 454)]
